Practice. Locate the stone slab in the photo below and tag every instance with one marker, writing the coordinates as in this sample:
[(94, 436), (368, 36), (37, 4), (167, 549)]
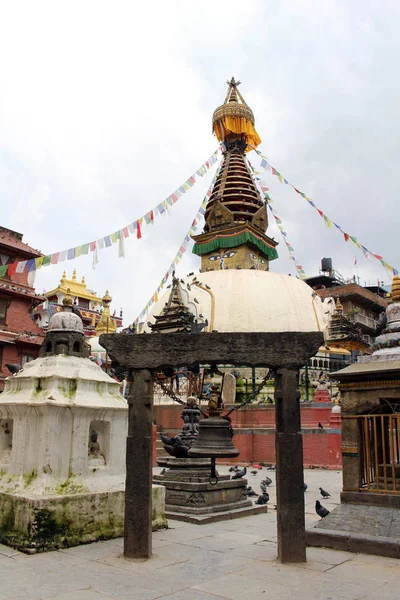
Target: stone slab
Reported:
[(216, 516), (359, 528), (366, 520), (37, 524), (256, 349)]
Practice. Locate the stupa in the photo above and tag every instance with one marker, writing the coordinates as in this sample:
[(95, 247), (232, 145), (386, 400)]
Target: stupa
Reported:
[(62, 455), (234, 292)]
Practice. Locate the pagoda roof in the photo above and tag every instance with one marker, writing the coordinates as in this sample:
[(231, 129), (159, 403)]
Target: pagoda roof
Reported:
[(11, 241), (76, 288)]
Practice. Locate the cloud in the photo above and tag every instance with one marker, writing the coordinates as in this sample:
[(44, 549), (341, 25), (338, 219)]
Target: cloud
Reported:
[(106, 109)]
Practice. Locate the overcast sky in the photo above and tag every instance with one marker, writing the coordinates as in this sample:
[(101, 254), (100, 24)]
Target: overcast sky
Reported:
[(105, 108)]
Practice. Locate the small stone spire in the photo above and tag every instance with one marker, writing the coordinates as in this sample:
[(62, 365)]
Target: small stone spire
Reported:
[(74, 275)]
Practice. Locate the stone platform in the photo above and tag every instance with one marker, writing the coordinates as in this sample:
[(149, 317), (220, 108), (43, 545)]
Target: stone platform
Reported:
[(191, 497), (359, 528), (33, 523)]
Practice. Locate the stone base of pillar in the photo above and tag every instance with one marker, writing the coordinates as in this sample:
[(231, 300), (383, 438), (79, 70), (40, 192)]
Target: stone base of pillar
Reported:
[(41, 523), (191, 497)]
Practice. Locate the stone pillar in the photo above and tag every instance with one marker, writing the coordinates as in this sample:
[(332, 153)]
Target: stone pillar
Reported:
[(351, 455), (289, 468), (138, 489)]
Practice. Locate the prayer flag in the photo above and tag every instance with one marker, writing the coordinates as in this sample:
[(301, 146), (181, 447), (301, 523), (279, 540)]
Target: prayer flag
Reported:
[(85, 249), (107, 241), (54, 258), (63, 256), (20, 266), (71, 254), (139, 232)]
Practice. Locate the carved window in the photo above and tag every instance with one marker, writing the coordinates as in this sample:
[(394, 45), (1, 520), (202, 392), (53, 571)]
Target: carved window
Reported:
[(3, 310)]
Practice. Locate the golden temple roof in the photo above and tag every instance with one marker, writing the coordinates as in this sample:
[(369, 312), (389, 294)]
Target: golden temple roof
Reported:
[(75, 288)]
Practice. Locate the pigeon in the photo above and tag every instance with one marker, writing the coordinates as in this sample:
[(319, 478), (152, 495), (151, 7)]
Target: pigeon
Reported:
[(321, 510), (263, 498), (239, 474), (166, 440), (305, 486), (320, 426), (250, 492), (263, 487), (188, 287), (324, 493), (182, 281), (195, 300), (13, 368), (254, 472), (208, 287), (271, 468), (233, 469), (267, 481), (190, 274), (163, 471)]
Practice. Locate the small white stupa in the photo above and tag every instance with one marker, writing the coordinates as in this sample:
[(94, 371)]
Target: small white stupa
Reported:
[(63, 427)]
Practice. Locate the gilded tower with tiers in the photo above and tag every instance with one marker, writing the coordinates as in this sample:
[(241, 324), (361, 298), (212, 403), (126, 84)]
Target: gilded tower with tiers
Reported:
[(236, 220)]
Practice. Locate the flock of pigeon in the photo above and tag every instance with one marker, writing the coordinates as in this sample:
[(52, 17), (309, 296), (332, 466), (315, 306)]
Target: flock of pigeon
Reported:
[(263, 498)]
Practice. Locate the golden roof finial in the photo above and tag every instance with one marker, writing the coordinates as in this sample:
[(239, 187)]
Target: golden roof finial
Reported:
[(74, 275), (106, 324), (234, 119), (83, 280), (67, 300), (396, 289), (338, 305), (63, 278)]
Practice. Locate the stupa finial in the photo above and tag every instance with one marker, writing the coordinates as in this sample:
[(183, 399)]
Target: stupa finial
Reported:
[(396, 289)]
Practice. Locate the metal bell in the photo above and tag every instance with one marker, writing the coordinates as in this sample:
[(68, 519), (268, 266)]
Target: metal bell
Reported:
[(214, 439)]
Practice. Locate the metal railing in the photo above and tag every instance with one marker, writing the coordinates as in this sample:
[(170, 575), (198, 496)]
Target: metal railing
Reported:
[(379, 453)]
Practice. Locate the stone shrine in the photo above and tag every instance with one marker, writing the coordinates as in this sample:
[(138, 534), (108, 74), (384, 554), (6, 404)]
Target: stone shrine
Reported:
[(368, 518), (63, 425)]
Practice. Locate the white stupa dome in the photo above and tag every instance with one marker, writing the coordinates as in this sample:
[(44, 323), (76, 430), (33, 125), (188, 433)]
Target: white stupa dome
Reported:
[(65, 321), (243, 300)]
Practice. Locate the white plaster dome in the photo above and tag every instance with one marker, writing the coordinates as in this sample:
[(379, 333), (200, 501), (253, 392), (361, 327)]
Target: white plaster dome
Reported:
[(65, 321), (242, 300)]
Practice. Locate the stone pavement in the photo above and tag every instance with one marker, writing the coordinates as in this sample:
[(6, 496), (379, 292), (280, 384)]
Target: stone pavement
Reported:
[(233, 559)]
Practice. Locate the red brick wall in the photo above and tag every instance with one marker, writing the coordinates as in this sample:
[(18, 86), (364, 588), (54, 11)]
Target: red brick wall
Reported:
[(255, 433)]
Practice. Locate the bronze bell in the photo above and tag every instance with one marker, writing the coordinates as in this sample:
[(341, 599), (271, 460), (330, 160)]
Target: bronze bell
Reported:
[(214, 439)]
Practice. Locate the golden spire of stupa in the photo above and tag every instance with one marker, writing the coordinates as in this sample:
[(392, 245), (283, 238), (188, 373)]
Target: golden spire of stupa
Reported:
[(106, 324), (233, 118), (396, 289), (236, 219)]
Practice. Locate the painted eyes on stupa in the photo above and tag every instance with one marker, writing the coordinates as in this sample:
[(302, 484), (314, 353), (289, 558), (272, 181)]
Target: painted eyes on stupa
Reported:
[(255, 257), (225, 255)]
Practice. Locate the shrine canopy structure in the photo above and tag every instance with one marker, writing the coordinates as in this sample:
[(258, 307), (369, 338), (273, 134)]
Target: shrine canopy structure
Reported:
[(144, 355)]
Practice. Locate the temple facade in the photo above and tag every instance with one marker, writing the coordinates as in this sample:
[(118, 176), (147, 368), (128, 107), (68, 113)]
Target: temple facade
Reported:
[(85, 300)]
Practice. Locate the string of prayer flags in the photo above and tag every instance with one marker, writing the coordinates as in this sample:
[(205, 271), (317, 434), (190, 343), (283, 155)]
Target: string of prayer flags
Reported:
[(328, 222), (182, 249), (113, 238), (288, 245)]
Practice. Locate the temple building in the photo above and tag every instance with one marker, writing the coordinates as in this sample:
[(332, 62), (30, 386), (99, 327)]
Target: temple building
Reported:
[(20, 337), (85, 300)]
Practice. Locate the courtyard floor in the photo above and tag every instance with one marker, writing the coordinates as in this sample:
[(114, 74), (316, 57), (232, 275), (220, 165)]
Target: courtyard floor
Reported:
[(233, 559)]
